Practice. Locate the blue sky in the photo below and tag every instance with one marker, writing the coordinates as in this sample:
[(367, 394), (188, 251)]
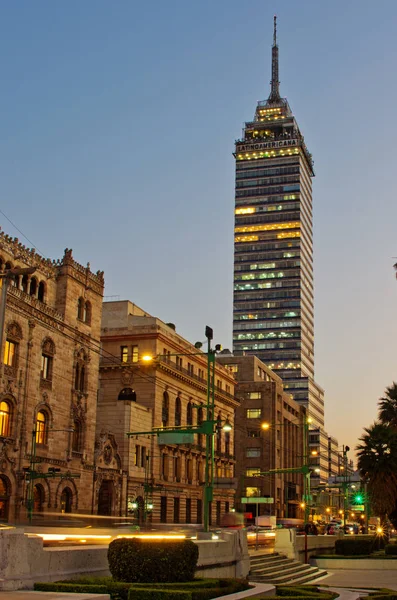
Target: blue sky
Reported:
[(117, 132)]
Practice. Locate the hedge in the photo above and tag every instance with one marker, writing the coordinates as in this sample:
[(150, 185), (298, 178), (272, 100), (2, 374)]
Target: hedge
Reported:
[(204, 589), (308, 597), (299, 591), (157, 594), (74, 588), (391, 549), (134, 560), (354, 547)]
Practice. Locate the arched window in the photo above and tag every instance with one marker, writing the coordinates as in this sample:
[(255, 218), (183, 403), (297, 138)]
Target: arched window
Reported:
[(80, 309), (165, 409), (25, 283), (47, 359), (189, 414), (5, 418), (87, 313), (11, 348), (38, 498), (127, 394), (33, 286), (80, 375), (66, 500), (178, 411), (41, 292), (77, 436), (41, 427)]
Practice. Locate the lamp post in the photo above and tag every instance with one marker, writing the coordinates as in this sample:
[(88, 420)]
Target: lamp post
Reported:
[(304, 469), (207, 426), (52, 471)]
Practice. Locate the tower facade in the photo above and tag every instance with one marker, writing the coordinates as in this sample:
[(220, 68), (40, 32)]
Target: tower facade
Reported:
[(273, 312)]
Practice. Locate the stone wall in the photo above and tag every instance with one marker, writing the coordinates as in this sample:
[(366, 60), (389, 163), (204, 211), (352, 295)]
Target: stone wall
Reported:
[(24, 561)]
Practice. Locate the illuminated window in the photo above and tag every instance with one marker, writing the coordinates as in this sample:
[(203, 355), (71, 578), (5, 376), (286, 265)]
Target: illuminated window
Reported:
[(251, 492), (135, 354), (253, 472), (10, 353), (254, 395), (124, 354), (5, 419), (253, 413), (232, 368), (41, 427), (47, 357)]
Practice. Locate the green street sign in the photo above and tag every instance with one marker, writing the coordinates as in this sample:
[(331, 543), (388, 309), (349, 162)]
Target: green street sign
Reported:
[(358, 507), (175, 437), (257, 500)]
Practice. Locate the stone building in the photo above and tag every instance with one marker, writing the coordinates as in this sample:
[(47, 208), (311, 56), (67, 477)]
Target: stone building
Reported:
[(150, 477), (48, 384), (280, 446)]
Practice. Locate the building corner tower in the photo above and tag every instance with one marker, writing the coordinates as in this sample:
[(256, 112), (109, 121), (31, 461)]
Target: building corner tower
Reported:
[(273, 309)]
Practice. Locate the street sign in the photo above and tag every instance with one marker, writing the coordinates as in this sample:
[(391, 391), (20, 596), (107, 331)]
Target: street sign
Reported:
[(175, 437), (256, 500), (358, 507)]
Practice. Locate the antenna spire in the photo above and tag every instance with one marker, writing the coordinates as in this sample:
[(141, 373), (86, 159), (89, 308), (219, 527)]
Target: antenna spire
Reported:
[(275, 84)]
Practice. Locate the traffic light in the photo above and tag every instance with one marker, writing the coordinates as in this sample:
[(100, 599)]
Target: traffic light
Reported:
[(358, 498)]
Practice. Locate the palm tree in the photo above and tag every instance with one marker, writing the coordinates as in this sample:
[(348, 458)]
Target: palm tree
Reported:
[(377, 463), (388, 406)]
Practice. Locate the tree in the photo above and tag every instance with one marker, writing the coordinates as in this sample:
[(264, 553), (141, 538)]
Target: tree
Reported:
[(377, 463), (388, 406)]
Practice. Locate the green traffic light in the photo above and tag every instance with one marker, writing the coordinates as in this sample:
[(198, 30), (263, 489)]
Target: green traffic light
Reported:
[(358, 499)]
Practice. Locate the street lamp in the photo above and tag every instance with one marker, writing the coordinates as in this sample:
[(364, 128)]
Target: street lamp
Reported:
[(303, 469), (207, 427)]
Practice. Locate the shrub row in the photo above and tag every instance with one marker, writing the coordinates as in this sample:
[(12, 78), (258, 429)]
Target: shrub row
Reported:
[(354, 547), (194, 590), (135, 560), (307, 591), (391, 549), (319, 596)]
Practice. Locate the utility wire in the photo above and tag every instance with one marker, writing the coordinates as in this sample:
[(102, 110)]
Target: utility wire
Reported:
[(21, 232)]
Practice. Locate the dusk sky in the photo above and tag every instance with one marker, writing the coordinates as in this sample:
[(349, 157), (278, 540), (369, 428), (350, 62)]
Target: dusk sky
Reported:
[(117, 132)]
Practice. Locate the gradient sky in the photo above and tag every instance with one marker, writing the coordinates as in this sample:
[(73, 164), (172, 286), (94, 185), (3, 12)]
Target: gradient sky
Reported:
[(117, 131)]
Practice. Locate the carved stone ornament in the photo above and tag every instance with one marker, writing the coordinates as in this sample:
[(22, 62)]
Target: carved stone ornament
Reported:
[(107, 454), (126, 377)]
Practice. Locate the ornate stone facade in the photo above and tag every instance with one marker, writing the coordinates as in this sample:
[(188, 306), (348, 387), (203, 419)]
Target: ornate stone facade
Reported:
[(162, 481), (48, 383)]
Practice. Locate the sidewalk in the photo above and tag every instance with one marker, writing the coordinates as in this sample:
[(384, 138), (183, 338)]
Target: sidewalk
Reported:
[(355, 578)]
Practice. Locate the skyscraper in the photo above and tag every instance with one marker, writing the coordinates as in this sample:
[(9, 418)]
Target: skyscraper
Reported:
[(273, 314)]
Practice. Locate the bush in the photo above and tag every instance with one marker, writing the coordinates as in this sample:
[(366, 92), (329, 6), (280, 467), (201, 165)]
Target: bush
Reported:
[(157, 594), (135, 560), (71, 588), (309, 596), (391, 549), (199, 589), (354, 547)]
